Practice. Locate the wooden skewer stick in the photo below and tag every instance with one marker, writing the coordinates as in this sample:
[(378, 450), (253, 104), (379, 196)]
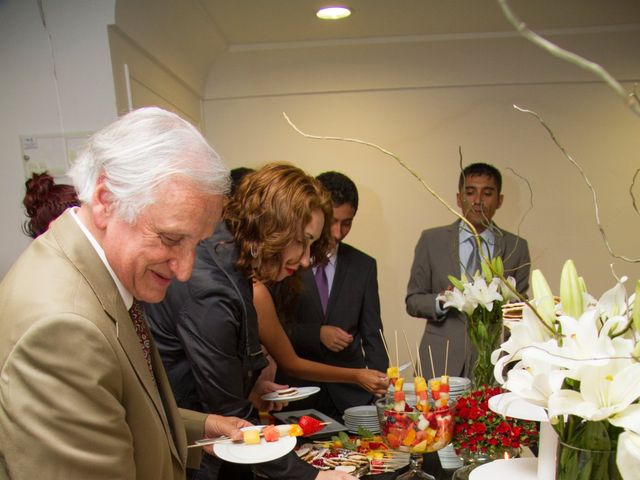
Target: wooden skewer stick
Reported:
[(433, 370), (446, 357), (384, 342), (223, 439), (419, 362), (415, 374), (396, 335)]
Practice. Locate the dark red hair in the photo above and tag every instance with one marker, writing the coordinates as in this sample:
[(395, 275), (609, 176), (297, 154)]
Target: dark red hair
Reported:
[(45, 201)]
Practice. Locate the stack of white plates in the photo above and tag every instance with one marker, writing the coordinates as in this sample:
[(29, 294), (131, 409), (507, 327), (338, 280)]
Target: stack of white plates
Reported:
[(364, 416), (458, 386), (448, 458)]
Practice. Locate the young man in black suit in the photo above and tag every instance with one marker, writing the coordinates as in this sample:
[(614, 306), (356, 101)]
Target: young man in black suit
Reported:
[(343, 329)]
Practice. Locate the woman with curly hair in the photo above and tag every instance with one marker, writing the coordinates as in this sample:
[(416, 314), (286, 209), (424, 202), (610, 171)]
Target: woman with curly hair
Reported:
[(45, 201), (207, 328)]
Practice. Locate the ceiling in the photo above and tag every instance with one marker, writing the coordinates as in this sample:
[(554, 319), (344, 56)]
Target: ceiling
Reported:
[(251, 22)]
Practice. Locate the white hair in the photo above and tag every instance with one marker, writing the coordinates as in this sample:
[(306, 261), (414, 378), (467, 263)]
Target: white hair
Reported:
[(138, 152)]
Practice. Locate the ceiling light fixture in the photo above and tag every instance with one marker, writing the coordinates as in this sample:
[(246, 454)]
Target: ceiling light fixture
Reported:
[(333, 13)]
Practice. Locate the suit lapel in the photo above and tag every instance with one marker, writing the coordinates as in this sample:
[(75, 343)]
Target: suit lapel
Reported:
[(453, 254), (82, 254), (309, 285), (500, 245)]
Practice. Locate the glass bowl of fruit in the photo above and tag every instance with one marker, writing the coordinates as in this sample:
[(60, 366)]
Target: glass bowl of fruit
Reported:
[(420, 426), (412, 430)]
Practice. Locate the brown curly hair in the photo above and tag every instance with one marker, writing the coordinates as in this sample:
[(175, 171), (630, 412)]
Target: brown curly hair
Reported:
[(269, 211), (45, 201)]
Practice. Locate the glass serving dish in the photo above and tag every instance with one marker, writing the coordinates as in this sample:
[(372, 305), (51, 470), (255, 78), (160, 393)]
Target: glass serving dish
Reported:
[(416, 432)]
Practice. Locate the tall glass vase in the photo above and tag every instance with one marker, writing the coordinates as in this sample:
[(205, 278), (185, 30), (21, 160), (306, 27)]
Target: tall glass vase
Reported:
[(586, 450), (579, 463), (484, 328)]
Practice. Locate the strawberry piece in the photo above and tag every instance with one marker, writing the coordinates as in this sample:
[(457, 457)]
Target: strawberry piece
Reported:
[(310, 425)]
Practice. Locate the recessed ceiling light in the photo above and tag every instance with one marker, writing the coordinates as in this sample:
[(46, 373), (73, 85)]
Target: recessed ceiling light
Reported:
[(333, 13)]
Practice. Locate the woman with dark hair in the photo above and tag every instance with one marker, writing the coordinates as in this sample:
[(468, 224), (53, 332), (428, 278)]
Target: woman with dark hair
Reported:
[(45, 201), (207, 328)]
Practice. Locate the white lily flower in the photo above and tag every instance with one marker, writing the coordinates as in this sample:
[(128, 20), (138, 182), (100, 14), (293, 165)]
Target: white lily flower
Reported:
[(608, 390), (506, 292), (458, 300), (537, 387), (628, 455), (484, 294), (582, 345), (629, 418), (614, 301)]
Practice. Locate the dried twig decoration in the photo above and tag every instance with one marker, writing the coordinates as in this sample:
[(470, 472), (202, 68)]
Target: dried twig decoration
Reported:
[(587, 181), (630, 98), (510, 287)]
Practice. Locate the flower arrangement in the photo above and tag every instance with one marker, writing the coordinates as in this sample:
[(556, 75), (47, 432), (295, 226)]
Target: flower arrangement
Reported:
[(481, 431), (480, 300), (579, 360)]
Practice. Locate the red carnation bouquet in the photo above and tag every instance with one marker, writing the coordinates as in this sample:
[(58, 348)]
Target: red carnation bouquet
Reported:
[(478, 430)]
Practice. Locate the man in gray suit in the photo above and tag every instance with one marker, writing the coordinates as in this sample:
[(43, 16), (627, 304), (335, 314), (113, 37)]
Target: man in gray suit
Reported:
[(447, 250), (343, 328), (83, 394)]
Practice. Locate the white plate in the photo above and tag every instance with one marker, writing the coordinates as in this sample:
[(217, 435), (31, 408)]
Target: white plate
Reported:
[(258, 453), (361, 411), (303, 392)]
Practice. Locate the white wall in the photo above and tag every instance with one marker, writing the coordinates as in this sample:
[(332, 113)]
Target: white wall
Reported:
[(422, 100), (28, 99)]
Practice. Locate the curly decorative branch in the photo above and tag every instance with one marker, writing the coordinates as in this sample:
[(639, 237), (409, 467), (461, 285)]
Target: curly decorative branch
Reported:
[(587, 181), (633, 197), (629, 98), (441, 200)]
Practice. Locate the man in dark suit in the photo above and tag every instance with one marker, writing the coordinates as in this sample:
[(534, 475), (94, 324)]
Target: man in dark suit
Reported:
[(337, 321), (447, 250)]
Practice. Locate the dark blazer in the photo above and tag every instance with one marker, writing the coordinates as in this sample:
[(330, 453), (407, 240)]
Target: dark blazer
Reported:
[(207, 334), (436, 257), (77, 399), (354, 306)]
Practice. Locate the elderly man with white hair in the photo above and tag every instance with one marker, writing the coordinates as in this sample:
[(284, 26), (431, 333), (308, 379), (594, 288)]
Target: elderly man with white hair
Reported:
[(83, 394)]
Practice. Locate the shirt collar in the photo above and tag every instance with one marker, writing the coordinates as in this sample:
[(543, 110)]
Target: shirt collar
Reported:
[(127, 298), (487, 235)]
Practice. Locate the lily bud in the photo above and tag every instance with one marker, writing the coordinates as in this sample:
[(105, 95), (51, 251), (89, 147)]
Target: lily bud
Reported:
[(456, 282), (486, 271), (635, 313), (544, 297), (571, 293), (497, 264)]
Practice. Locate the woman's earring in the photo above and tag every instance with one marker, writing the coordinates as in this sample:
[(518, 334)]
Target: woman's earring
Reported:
[(254, 251)]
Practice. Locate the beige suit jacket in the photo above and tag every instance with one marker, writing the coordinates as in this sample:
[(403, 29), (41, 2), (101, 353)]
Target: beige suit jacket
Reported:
[(77, 400)]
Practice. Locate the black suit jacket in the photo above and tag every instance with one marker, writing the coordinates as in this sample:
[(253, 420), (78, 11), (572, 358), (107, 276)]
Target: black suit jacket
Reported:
[(207, 334), (354, 306)]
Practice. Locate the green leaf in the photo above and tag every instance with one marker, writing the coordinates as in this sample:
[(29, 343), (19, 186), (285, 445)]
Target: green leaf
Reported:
[(364, 433)]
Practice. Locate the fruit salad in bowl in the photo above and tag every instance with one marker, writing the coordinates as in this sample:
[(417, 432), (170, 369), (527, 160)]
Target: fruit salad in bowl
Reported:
[(414, 430)]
